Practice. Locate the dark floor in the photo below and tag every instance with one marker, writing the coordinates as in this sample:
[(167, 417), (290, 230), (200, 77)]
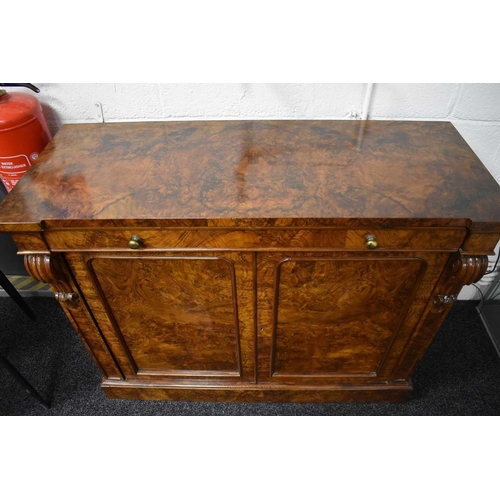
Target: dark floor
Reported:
[(459, 375)]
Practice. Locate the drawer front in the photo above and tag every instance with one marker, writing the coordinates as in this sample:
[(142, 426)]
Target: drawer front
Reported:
[(256, 239)]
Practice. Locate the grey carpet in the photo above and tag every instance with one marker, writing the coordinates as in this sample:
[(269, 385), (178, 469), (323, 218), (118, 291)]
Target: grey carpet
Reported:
[(459, 375)]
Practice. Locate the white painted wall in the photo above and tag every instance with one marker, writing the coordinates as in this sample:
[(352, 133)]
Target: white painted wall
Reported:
[(473, 108)]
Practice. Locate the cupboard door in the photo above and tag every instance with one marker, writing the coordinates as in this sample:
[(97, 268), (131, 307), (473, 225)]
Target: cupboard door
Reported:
[(175, 316), (324, 317)]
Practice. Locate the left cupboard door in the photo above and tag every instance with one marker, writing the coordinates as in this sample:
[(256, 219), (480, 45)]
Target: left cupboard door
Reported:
[(173, 317)]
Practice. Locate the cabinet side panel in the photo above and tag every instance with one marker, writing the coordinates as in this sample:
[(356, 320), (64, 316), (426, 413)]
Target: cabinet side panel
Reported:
[(461, 269), (53, 269)]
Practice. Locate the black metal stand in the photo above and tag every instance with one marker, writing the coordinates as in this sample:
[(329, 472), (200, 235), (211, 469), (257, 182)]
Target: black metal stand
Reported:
[(16, 296), (23, 382)]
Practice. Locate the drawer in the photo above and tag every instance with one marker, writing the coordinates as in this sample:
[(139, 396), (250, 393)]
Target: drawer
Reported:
[(408, 239), (256, 239)]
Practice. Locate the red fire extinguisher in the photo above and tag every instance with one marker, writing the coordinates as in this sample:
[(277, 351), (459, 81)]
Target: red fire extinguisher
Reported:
[(23, 133)]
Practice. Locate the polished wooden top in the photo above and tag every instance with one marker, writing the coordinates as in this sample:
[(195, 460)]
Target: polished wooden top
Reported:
[(254, 173)]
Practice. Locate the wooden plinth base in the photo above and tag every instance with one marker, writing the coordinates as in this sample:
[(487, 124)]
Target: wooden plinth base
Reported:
[(391, 393)]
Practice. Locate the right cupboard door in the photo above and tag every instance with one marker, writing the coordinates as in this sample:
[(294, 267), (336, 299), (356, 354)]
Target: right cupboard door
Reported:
[(326, 318)]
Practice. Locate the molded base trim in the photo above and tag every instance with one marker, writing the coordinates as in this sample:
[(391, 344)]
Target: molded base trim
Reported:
[(390, 393)]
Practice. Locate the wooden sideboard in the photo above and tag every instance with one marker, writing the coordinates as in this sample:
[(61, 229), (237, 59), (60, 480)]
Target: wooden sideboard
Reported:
[(256, 260)]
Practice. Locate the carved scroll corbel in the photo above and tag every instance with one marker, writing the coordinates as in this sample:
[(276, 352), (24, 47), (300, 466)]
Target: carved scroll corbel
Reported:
[(462, 270), (49, 269)]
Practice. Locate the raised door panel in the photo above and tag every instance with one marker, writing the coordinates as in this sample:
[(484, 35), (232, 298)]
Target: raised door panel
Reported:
[(325, 317), (173, 316)]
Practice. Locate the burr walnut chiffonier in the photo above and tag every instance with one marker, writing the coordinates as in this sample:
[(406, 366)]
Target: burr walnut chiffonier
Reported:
[(256, 260)]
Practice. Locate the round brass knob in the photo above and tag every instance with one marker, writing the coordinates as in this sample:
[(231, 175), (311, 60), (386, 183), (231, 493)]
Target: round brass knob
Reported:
[(135, 242), (66, 296), (371, 242)]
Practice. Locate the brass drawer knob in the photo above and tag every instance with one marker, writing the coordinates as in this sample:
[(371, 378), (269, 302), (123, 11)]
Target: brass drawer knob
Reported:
[(66, 296), (135, 242), (371, 242)]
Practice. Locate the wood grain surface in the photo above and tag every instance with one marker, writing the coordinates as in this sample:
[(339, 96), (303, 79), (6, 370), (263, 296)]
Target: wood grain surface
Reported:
[(250, 277), (338, 316), (253, 239), (258, 170), (173, 315), (53, 269), (320, 311), (340, 393)]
